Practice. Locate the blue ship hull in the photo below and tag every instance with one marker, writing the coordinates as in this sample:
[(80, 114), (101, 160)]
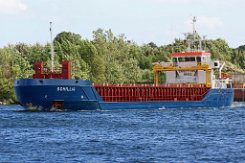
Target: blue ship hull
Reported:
[(44, 94)]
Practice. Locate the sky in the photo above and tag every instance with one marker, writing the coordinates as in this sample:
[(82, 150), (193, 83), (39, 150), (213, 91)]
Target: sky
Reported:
[(142, 21)]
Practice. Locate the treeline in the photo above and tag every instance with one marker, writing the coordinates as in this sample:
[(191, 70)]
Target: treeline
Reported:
[(104, 59)]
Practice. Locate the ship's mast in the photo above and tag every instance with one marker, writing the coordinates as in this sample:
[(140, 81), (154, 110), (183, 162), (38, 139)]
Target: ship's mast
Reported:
[(195, 35), (52, 48), (191, 41), (194, 20), (194, 28)]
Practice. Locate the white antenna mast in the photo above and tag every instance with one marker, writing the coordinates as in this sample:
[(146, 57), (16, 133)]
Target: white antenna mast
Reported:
[(195, 35), (193, 23), (191, 40), (52, 48), (194, 31)]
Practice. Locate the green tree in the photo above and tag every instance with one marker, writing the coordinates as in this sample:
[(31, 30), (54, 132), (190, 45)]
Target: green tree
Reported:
[(68, 36)]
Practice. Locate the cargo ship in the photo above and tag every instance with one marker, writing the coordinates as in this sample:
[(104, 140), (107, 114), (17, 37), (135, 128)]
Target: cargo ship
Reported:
[(191, 82)]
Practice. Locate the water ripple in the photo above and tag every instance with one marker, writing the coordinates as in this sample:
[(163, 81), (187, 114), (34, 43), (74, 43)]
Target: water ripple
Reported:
[(192, 135)]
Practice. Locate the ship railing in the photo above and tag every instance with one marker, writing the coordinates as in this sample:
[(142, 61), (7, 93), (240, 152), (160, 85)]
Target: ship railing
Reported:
[(166, 64), (55, 71), (222, 83)]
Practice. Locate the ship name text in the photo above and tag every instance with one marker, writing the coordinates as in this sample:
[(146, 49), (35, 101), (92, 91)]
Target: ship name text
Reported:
[(66, 89)]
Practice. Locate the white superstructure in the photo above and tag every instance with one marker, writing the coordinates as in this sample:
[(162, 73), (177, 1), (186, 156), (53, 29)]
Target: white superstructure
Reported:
[(192, 66)]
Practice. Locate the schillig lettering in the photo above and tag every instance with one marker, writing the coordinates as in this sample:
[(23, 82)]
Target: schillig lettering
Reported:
[(66, 89)]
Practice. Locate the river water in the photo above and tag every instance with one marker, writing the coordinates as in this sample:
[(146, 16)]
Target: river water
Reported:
[(170, 135)]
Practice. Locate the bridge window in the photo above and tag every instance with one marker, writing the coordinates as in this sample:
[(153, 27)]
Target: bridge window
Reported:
[(190, 59), (198, 59), (174, 60), (186, 59), (181, 59)]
